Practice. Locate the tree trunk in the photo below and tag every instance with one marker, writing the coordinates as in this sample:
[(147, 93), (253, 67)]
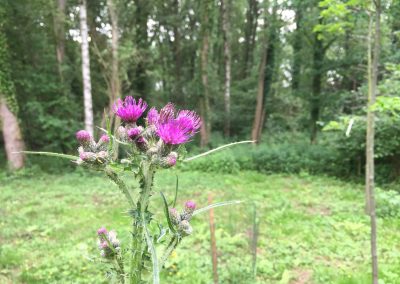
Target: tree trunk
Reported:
[(12, 136), (205, 101), (87, 86), (141, 84), (115, 84), (266, 75), (257, 123), (59, 30), (297, 46), (315, 102), (370, 164), (249, 36), (227, 63), (179, 97)]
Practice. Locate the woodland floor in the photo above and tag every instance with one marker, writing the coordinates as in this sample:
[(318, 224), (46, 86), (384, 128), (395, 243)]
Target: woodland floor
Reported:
[(311, 229)]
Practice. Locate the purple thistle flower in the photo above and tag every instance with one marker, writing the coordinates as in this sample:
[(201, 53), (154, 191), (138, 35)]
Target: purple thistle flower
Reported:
[(178, 131), (102, 231), (129, 110), (152, 116), (83, 137), (167, 113), (189, 119)]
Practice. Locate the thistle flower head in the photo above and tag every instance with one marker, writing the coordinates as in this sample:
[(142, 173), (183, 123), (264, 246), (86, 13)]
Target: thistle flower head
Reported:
[(174, 131), (87, 156), (152, 116), (174, 216), (83, 137), (185, 227), (129, 110)]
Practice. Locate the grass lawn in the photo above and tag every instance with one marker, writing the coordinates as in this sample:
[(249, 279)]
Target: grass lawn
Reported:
[(312, 229)]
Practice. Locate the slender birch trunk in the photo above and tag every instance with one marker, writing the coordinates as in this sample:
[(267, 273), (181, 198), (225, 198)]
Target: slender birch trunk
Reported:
[(59, 30), (87, 86), (227, 62), (373, 61)]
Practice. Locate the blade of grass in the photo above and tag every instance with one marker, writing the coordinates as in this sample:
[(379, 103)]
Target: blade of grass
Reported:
[(224, 203), (217, 149), (50, 154)]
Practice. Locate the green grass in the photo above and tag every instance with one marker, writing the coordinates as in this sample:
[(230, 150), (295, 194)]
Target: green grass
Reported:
[(312, 229)]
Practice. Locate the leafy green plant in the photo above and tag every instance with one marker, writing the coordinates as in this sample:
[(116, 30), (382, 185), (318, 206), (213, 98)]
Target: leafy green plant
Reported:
[(156, 146)]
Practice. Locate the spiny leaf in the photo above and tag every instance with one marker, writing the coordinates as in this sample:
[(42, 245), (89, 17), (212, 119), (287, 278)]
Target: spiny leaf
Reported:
[(218, 149), (224, 203), (51, 154), (153, 252), (166, 210)]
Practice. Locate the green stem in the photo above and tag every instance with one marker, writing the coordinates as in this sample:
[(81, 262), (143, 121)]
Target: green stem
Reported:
[(122, 186), (168, 251), (138, 237)]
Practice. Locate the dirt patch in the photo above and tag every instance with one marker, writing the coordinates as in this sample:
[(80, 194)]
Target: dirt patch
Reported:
[(301, 276)]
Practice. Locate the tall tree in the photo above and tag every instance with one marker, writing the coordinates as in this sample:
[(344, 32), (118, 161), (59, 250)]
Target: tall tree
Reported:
[(297, 45), (265, 87), (205, 114), (87, 85), (59, 31), (250, 29), (227, 63), (373, 64), (115, 84), (12, 136)]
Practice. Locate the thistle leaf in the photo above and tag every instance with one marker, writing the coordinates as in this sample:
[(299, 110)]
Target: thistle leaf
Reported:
[(51, 154), (218, 149), (153, 252), (166, 210), (224, 203)]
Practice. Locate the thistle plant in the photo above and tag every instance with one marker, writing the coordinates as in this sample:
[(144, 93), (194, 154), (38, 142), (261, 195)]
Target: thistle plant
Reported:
[(155, 144)]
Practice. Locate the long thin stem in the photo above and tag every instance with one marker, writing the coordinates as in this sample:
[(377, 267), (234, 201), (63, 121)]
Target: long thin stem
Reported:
[(138, 237), (122, 186), (168, 251)]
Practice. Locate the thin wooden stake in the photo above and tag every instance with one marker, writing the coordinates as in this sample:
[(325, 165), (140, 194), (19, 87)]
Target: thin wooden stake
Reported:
[(213, 242)]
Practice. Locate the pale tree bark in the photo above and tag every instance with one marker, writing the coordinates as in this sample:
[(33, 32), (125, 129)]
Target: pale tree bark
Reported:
[(205, 130), (12, 136), (115, 84), (227, 63), (59, 30), (87, 86), (373, 61), (9, 123)]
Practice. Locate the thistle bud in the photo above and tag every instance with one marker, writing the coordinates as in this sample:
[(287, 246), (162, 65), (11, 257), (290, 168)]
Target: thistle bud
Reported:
[(104, 241), (101, 231), (190, 206), (102, 156), (134, 133), (103, 142), (121, 131), (174, 216), (84, 138), (171, 159), (185, 228), (87, 157)]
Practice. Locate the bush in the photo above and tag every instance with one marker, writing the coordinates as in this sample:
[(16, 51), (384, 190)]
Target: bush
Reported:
[(388, 203)]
